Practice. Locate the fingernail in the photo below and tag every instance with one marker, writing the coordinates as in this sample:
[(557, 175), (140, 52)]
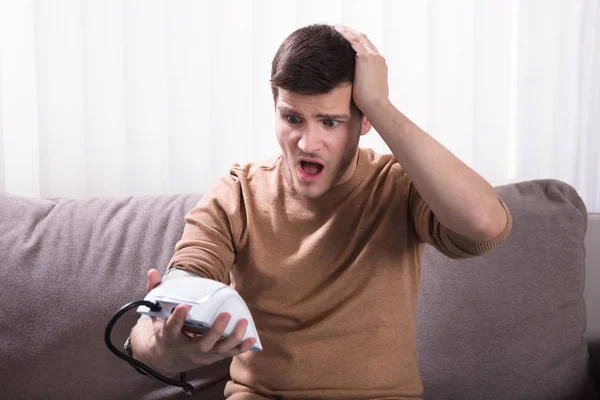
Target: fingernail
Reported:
[(224, 319)]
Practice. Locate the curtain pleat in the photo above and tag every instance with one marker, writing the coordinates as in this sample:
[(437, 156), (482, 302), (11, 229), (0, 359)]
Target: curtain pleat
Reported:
[(144, 97)]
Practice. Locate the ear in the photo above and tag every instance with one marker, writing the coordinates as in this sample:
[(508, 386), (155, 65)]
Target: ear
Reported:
[(365, 126)]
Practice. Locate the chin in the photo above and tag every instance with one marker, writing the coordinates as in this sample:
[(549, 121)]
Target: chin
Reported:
[(310, 191)]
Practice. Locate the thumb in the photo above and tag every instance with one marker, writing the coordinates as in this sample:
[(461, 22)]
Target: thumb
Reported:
[(154, 279)]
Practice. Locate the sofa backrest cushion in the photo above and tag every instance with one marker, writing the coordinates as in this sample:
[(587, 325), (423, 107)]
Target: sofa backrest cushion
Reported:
[(66, 267), (510, 324)]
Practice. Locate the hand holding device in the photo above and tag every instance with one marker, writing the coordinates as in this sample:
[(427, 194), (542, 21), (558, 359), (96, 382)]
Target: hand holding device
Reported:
[(195, 322)]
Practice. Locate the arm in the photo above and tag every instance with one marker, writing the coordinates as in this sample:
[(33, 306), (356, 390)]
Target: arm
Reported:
[(460, 198), (207, 248)]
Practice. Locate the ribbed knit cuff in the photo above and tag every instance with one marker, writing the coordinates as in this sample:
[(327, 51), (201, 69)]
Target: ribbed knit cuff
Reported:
[(478, 247)]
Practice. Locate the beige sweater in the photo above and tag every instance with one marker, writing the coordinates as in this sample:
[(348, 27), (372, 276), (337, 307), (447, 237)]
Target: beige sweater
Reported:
[(331, 283)]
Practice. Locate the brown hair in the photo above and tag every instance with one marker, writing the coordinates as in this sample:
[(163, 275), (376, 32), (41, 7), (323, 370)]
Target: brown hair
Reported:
[(314, 59)]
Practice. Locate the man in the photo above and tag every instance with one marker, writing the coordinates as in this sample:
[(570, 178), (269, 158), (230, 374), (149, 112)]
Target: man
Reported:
[(324, 242)]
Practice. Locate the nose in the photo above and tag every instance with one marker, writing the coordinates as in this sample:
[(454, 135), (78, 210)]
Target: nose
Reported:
[(310, 141)]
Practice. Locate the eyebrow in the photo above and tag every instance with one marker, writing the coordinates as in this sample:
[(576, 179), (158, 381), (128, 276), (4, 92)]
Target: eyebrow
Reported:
[(288, 110)]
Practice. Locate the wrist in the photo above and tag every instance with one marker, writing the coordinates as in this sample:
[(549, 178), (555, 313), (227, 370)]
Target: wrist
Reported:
[(128, 350), (145, 356), (145, 352), (141, 349), (377, 108)]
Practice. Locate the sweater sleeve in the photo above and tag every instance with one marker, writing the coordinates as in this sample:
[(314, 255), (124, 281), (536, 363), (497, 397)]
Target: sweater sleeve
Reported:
[(450, 243), (207, 246)]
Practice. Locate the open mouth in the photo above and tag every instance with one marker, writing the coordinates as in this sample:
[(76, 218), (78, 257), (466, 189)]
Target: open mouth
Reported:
[(309, 171)]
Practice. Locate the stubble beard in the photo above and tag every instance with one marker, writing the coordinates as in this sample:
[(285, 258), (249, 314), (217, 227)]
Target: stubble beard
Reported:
[(346, 162)]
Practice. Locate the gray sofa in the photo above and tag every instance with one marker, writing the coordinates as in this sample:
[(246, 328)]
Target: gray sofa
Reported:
[(513, 324)]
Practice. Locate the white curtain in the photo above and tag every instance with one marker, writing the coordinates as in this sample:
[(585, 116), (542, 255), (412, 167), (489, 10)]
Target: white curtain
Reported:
[(120, 98)]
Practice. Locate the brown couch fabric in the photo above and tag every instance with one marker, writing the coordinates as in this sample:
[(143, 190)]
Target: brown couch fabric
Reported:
[(510, 324), (66, 267), (507, 325)]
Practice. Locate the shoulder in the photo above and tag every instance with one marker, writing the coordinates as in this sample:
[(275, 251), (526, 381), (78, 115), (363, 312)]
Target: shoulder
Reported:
[(244, 179), (383, 166), (255, 169)]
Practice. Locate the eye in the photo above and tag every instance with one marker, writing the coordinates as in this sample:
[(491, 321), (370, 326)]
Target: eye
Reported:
[(292, 119), (330, 123)]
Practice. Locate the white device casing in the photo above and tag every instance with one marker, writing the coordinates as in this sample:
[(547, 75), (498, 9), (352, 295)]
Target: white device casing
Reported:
[(207, 299)]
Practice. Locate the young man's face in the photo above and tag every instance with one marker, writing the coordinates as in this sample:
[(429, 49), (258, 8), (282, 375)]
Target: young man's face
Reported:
[(319, 137)]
